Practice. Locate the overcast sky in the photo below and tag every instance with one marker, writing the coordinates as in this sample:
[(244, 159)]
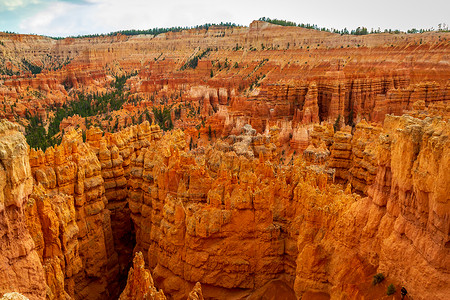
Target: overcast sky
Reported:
[(73, 17)]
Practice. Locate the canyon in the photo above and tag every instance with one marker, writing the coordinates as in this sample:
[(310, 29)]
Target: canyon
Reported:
[(259, 162)]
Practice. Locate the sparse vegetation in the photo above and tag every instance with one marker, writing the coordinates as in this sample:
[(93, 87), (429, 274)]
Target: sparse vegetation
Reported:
[(162, 118), (358, 31), (390, 290), (255, 82), (8, 72), (154, 31), (193, 62), (377, 278), (237, 47), (34, 69)]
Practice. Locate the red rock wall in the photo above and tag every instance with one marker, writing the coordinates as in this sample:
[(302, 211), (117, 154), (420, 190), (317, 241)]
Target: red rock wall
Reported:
[(286, 220), (241, 215), (319, 76), (236, 223), (87, 256), (20, 266)]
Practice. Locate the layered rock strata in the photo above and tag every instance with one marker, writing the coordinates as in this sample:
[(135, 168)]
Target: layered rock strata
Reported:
[(231, 216), (263, 75), (321, 239), (81, 243), (20, 266)]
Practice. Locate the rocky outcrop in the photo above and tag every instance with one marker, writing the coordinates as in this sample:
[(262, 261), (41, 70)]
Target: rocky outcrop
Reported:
[(51, 221), (254, 194), (115, 183), (237, 221), (196, 293), (179, 204), (372, 234), (341, 152), (363, 167), (20, 266), (140, 283), (414, 179), (73, 202), (334, 242)]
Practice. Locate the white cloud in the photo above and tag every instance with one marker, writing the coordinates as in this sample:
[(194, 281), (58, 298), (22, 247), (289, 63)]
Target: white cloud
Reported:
[(44, 20), (15, 4), (101, 16), (73, 17), (45, 17)]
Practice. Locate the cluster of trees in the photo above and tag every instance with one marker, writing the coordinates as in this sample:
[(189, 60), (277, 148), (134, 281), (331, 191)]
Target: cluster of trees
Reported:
[(94, 104), (357, 31), (193, 62), (34, 69), (85, 106), (155, 31), (36, 135), (163, 118)]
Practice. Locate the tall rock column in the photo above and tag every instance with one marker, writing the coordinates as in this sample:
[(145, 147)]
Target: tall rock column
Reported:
[(20, 267), (70, 176)]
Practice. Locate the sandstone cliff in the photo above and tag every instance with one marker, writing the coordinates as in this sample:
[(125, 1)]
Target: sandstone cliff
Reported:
[(140, 283), (264, 75), (235, 219), (289, 220), (289, 168), (70, 221), (20, 267)]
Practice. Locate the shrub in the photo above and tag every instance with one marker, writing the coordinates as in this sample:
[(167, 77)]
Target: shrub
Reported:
[(163, 118), (34, 69), (337, 126), (390, 289), (378, 278), (193, 62)]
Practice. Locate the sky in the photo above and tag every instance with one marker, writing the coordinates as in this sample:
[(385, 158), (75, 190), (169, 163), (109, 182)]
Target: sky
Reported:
[(78, 17)]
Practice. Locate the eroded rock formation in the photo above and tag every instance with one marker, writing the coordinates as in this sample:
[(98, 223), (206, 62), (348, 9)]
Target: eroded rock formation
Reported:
[(20, 267), (289, 168), (140, 283), (235, 222), (70, 198)]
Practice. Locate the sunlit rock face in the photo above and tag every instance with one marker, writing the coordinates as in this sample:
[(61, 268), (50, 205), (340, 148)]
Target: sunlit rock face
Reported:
[(292, 166), (263, 75), (235, 205), (20, 267)]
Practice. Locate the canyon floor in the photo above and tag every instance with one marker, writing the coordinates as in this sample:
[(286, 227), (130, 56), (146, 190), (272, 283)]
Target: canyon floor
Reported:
[(259, 162)]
